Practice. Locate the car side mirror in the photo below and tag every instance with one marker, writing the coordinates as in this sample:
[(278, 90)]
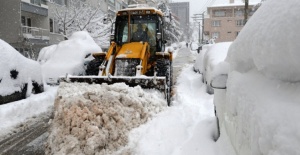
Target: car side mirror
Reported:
[(219, 81)]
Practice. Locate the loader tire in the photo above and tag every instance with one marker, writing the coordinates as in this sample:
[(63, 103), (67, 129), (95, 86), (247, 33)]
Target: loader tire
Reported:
[(164, 68), (93, 67)]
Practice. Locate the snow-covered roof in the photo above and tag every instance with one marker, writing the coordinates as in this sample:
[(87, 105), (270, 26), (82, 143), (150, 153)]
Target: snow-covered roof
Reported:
[(142, 8)]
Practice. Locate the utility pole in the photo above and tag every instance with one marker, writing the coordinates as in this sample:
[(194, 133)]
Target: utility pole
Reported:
[(196, 18), (246, 11)]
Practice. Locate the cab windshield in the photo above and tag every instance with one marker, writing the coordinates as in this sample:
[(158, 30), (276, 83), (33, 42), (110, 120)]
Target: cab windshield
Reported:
[(141, 28)]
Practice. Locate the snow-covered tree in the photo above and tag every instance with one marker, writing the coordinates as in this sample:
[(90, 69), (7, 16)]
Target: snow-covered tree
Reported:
[(173, 31), (80, 16)]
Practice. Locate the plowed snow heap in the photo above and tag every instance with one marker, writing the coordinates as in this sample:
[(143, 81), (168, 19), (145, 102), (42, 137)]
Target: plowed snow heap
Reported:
[(95, 119)]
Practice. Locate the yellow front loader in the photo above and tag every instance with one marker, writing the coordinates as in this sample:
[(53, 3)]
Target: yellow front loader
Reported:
[(136, 55)]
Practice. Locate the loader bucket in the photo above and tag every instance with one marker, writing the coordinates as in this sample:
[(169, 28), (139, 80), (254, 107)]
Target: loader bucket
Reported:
[(158, 83)]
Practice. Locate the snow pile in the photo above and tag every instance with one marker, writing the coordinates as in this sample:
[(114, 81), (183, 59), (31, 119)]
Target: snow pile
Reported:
[(96, 118), (269, 42), (11, 60), (68, 56)]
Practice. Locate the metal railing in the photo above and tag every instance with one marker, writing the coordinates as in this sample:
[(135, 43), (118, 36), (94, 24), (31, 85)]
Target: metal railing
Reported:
[(35, 32)]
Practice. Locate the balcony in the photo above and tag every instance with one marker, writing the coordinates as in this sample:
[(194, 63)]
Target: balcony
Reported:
[(36, 35)]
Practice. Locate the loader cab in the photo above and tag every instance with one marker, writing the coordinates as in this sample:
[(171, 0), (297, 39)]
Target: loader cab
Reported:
[(147, 22)]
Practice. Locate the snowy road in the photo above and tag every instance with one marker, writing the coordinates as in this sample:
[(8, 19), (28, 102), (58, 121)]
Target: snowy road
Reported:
[(187, 127)]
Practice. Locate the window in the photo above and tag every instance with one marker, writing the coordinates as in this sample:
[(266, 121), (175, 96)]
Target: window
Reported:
[(251, 12), (51, 24), (118, 6), (239, 12), (219, 13), (237, 33), (240, 22), (23, 21), (36, 2), (60, 2), (216, 23), (26, 24), (215, 34)]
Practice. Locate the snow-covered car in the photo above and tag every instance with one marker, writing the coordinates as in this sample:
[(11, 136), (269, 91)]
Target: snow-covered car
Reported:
[(194, 46), (198, 65), (67, 57), (19, 76), (213, 57), (258, 104)]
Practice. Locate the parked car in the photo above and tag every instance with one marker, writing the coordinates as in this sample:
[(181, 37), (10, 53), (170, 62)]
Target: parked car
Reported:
[(213, 57), (68, 57), (19, 76), (257, 100), (198, 65)]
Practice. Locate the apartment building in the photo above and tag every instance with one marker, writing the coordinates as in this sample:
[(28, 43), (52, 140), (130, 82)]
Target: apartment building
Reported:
[(114, 5), (25, 25), (30, 25), (224, 21), (181, 10)]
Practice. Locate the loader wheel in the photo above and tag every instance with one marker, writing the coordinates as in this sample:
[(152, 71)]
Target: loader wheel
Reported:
[(164, 68), (93, 67)]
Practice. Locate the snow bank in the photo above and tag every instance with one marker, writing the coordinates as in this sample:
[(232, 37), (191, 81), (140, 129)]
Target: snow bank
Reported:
[(272, 46), (28, 70), (93, 119), (68, 56), (14, 116)]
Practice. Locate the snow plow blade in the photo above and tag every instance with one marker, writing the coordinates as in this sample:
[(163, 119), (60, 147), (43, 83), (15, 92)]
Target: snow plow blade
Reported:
[(158, 83)]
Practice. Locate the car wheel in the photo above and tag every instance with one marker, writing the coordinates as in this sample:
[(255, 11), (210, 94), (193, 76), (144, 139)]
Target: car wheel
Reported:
[(216, 134)]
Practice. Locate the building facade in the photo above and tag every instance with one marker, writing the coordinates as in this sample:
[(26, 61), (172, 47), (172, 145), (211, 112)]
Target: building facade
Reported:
[(224, 22), (26, 25), (181, 10)]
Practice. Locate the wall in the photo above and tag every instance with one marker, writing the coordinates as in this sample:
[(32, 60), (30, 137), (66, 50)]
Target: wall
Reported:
[(10, 13)]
